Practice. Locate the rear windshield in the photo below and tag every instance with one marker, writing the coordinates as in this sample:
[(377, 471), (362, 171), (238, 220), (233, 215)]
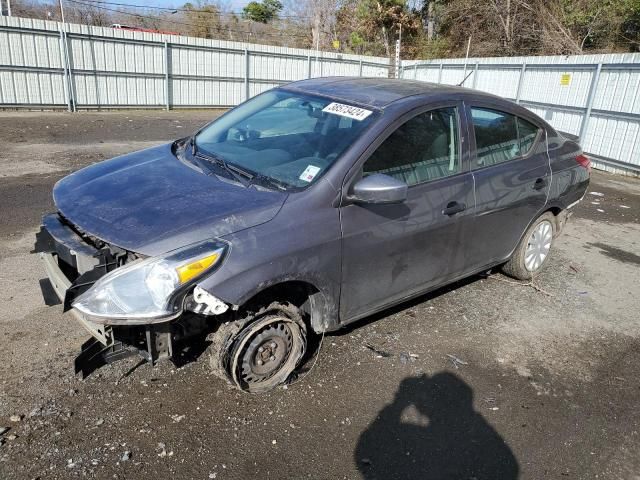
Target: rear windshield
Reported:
[(288, 137)]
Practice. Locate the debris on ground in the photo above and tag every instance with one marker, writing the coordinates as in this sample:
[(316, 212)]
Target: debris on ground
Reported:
[(378, 352), (407, 357), (456, 361), (16, 418), (125, 456), (177, 418), (525, 284), (596, 194)]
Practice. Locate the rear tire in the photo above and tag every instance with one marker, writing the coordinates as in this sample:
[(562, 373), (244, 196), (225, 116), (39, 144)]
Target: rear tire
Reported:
[(534, 249)]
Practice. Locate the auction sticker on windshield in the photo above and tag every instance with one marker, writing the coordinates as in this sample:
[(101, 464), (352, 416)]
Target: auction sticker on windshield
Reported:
[(349, 111), (309, 173)]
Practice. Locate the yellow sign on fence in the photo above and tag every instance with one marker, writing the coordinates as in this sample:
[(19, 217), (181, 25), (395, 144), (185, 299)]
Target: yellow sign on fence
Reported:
[(565, 79)]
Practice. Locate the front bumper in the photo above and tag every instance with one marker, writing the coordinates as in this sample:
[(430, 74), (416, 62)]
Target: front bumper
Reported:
[(72, 266), (61, 285)]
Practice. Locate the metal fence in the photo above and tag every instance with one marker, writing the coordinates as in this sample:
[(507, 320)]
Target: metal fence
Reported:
[(46, 64), (593, 97)]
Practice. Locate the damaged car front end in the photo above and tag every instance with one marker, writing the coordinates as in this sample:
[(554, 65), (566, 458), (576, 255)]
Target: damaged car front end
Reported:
[(129, 303)]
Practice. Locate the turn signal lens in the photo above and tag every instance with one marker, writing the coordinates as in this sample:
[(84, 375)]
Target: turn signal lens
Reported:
[(193, 269)]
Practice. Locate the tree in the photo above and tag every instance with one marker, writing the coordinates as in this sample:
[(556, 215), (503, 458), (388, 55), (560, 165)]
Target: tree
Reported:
[(263, 12), (203, 19)]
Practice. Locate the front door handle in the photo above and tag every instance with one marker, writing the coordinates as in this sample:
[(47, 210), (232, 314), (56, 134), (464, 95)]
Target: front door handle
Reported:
[(453, 208), (539, 184)]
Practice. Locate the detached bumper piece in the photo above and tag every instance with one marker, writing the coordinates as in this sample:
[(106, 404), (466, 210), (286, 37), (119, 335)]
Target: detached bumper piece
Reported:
[(94, 355), (151, 343)]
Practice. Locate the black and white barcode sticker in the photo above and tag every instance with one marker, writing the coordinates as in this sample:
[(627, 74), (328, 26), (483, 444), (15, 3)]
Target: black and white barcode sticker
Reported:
[(350, 111)]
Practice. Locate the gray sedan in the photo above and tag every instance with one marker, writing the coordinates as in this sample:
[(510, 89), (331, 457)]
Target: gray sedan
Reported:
[(301, 211)]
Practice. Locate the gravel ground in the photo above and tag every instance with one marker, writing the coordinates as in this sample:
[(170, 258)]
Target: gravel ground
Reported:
[(483, 379)]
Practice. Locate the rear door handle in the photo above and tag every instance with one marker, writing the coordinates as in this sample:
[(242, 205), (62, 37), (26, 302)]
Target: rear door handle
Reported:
[(539, 184), (453, 208)]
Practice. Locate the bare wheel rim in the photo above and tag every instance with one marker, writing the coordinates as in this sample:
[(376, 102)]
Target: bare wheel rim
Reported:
[(266, 353), (538, 246), (245, 367)]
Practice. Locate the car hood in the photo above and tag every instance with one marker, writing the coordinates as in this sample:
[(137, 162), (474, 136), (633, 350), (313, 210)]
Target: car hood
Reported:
[(150, 202)]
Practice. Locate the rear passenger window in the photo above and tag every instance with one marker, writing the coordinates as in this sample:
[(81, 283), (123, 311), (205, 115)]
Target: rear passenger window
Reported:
[(527, 132), (500, 136), (422, 149)]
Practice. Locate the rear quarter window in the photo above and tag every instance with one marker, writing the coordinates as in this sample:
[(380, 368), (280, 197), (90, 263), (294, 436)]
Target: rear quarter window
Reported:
[(500, 136)]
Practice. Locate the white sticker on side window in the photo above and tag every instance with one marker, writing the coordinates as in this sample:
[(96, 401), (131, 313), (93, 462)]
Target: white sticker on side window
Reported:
[(309, 173), (349, 111)]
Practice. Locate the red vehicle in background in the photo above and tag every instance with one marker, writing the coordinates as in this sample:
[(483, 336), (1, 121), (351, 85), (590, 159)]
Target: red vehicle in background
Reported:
[(140, 29)]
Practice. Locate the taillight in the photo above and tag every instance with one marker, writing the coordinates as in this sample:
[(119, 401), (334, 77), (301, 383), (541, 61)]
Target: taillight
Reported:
[(584, 161)]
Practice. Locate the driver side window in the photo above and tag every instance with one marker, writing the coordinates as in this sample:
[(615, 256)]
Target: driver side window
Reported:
[(424, 148)]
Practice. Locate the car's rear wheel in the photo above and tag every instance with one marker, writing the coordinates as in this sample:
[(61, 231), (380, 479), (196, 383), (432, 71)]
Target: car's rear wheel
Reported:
[(263, 351), (533, 250)]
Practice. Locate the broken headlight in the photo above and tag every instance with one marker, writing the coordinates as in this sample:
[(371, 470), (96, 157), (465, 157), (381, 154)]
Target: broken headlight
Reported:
[(146, 290)]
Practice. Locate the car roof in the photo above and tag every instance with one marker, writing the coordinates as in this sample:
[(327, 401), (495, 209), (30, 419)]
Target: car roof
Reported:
[(379, 92)]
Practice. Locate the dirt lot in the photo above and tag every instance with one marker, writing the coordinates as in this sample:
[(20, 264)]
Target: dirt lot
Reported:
[(547, 383)]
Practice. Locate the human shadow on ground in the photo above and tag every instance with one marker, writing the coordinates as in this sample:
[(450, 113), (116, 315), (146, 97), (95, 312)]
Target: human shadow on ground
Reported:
[(431, 431)]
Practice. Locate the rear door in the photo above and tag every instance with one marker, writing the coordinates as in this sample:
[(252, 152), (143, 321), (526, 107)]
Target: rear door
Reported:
[(391, 252), (512, 174)]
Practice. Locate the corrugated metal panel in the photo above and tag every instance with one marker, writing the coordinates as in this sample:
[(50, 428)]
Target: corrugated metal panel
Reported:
[(614, 138), (500, 81), (206, 93), (546, 86), (111, 67), (618, 91)]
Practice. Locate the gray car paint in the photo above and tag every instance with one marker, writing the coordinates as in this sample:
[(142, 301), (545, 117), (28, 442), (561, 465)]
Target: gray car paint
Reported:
[(356, 258)]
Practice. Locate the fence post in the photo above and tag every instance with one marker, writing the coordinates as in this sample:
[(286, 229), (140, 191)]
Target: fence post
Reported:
[(65, 77), (360, 74), (246, 74), (167, 84), (67, 58), (592, 93), (308, 65), (523, 69), (475, 75), (440, 73), (415, 71)]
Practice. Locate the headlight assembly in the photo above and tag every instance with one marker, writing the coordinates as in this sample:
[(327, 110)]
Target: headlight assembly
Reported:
[(146, 290)]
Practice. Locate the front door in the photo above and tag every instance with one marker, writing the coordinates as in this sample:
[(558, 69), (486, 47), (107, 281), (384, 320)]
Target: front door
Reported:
[(512, 177), (392, 252)]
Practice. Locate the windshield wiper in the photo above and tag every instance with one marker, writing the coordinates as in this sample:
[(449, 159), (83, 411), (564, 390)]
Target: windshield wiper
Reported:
[(240, 175)]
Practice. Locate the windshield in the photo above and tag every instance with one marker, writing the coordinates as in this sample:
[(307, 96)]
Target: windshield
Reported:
[(289, 138)]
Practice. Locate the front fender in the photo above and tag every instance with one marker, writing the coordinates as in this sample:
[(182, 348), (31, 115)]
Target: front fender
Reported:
[(302, 244)]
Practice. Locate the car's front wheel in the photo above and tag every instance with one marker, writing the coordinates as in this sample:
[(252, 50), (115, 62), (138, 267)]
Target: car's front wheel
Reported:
[(261, 352), (533, 251)]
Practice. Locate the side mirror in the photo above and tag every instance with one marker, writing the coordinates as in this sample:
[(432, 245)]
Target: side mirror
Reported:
[(380, 189)]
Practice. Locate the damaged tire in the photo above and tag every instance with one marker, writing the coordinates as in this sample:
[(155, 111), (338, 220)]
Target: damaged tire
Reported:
[(262, 351), (533, 251)]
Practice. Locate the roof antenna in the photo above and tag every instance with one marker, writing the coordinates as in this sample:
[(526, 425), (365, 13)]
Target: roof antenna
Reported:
[(465, 78), (466, 58)]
